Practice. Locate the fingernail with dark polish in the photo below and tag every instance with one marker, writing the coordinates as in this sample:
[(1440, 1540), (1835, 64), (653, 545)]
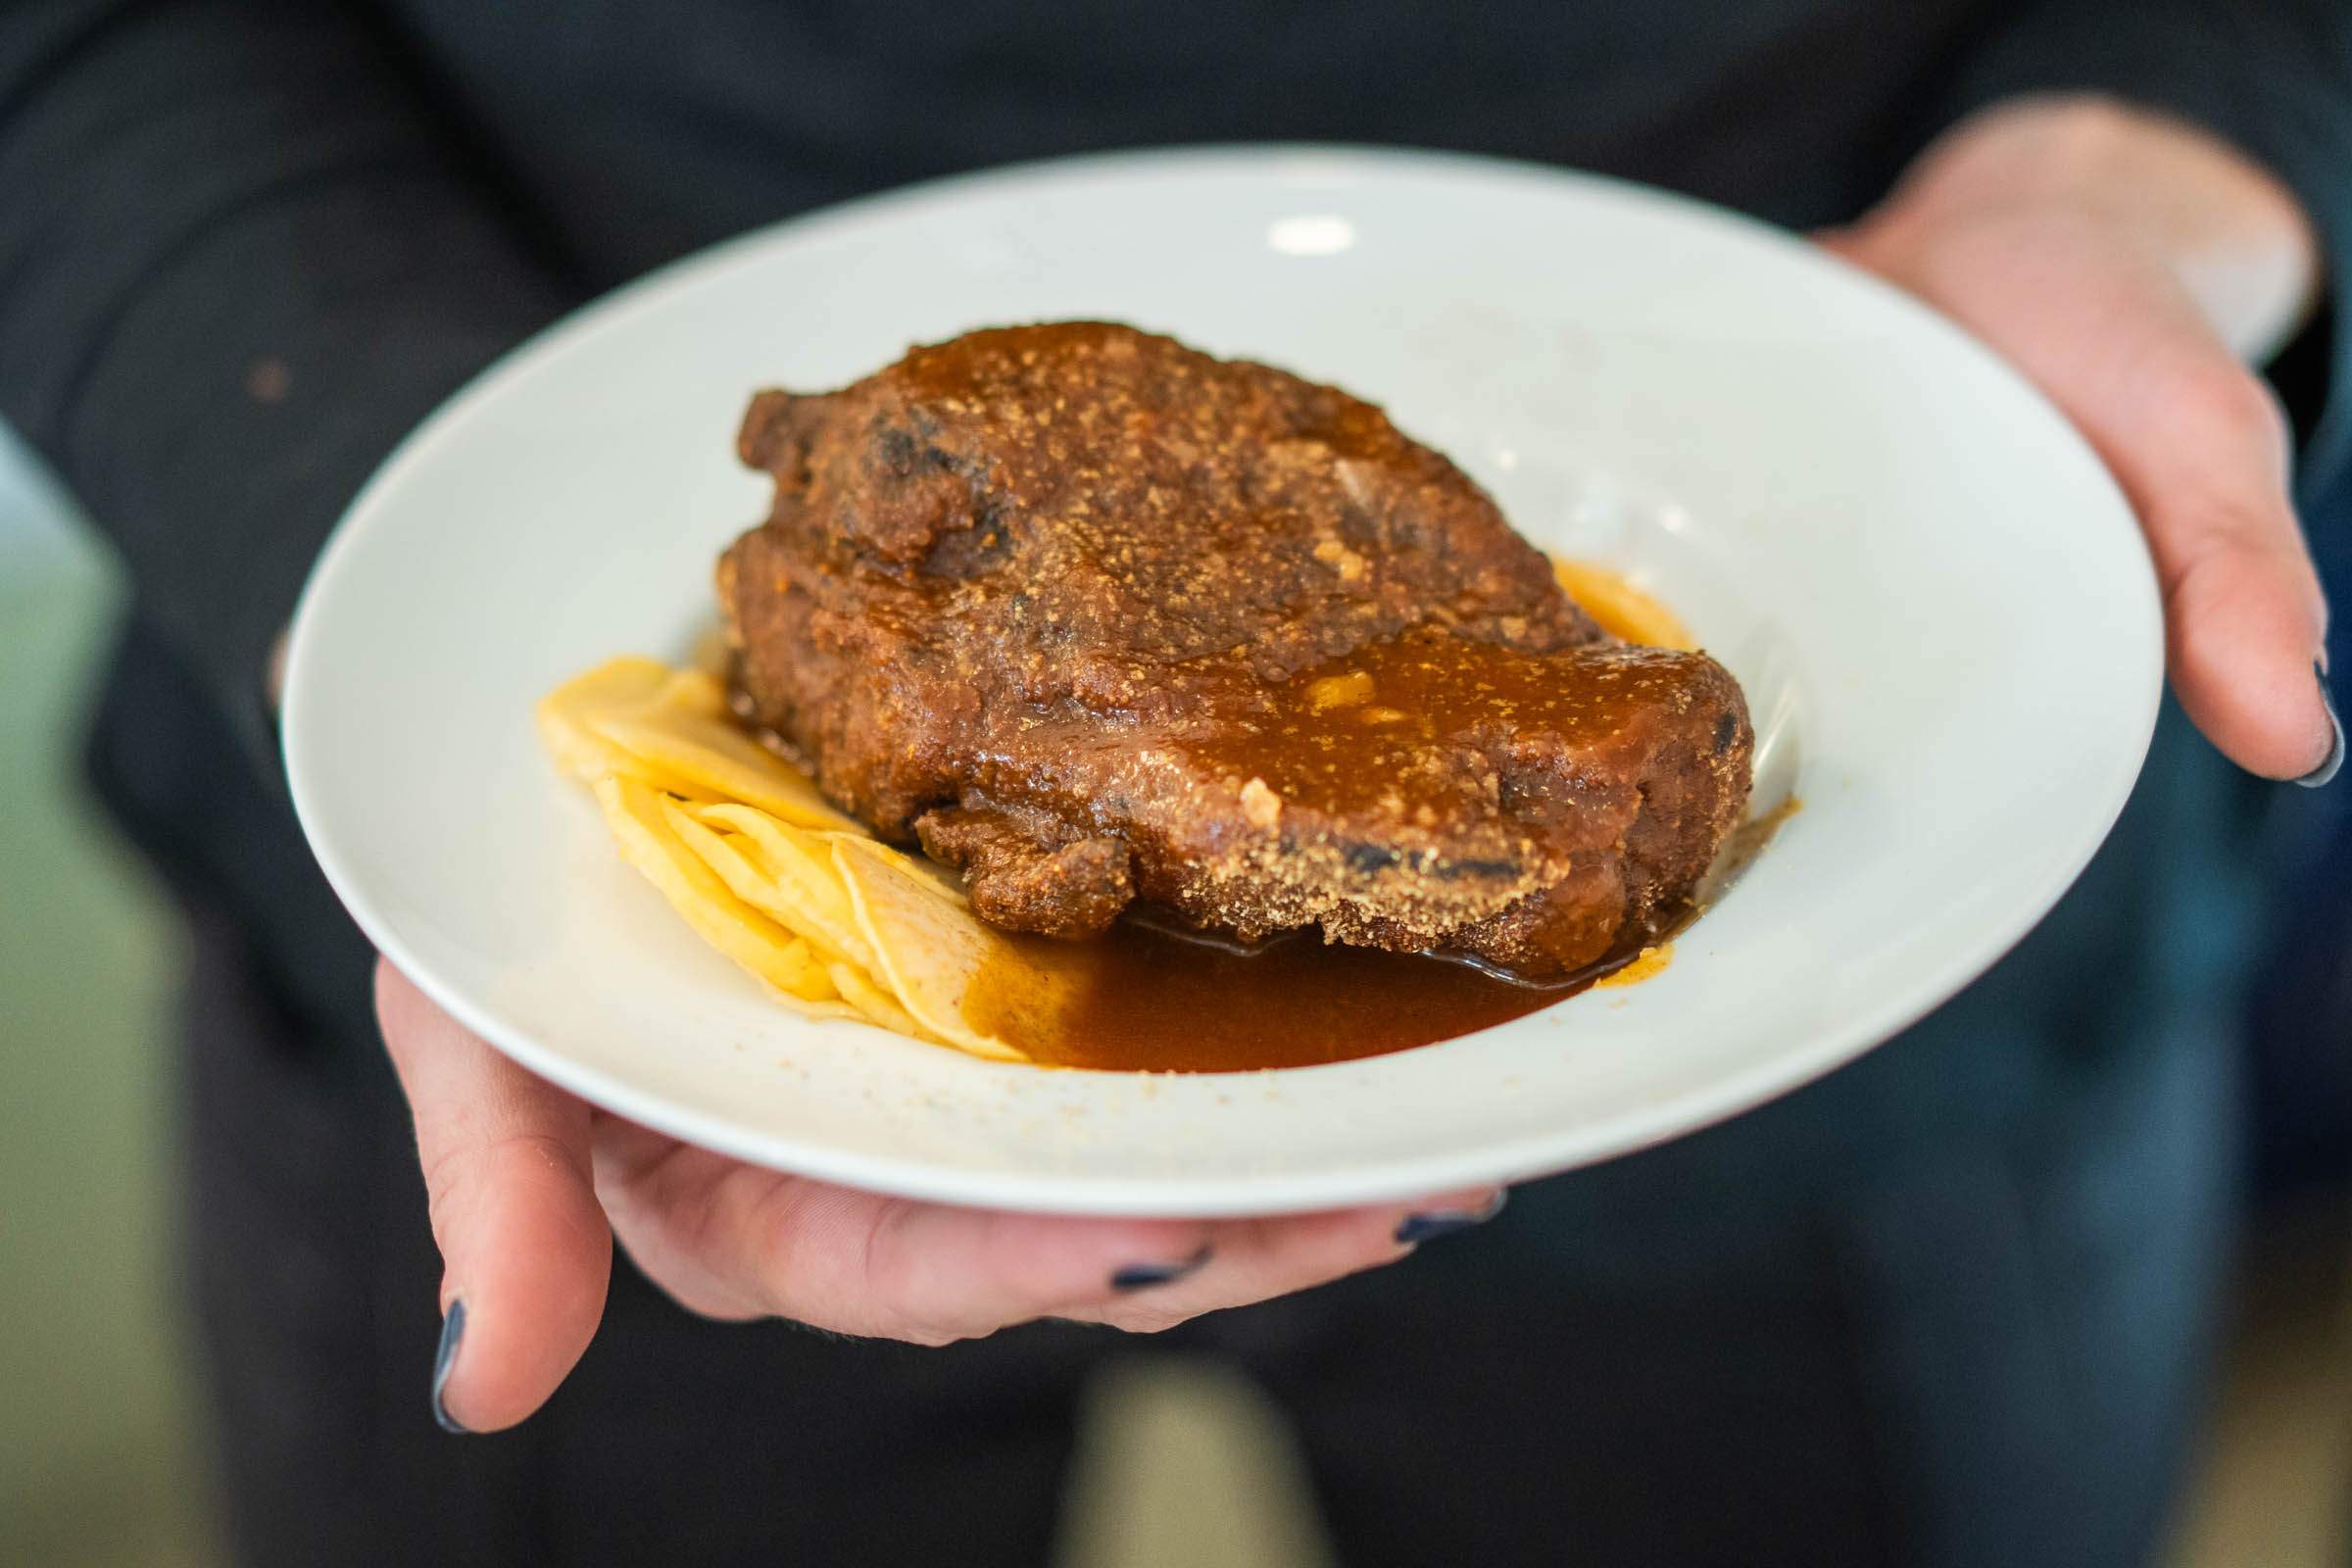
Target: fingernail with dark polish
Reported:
[(1144, 1276), (452, 1329), (2334, 759), (1419, 1228)]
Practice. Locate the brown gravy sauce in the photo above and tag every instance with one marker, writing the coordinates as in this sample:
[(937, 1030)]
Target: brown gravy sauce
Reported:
[(1144, 997), (1360, 733), (1151, 997)]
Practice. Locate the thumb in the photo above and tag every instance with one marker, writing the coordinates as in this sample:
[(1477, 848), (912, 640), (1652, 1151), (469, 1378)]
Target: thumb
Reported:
[(525, 1250)]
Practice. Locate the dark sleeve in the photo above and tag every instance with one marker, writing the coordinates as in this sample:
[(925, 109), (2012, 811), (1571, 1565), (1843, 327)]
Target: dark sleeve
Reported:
[(238, 262), (2274, 77)]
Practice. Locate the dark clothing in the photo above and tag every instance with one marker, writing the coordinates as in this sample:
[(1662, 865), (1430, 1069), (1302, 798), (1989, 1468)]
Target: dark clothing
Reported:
[(1945, 1308), (246, 244)]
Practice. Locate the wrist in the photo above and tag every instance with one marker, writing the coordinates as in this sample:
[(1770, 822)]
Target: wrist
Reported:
[(2167, 194)]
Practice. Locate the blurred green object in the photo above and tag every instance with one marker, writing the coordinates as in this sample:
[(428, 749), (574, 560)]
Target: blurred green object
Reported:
[(97, 1441)]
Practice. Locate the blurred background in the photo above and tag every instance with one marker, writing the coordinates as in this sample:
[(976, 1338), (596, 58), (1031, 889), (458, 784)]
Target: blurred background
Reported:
[(99, 1459)]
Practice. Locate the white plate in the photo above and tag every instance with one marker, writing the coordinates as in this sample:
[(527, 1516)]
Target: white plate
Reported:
[(1933, 595)]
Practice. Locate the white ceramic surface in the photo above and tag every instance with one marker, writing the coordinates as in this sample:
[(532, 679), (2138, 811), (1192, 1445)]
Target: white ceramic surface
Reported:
[(1934, 596)]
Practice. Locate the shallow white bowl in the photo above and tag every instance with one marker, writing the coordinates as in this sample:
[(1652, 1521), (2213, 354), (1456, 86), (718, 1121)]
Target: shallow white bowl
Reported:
[(1936, 598)]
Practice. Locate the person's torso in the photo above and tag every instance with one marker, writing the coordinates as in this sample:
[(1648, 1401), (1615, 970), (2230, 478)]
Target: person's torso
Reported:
[(637, 129)]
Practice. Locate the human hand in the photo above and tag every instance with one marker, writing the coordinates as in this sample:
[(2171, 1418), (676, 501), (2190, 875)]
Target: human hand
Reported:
[(529, 1185), (2129, 267)]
